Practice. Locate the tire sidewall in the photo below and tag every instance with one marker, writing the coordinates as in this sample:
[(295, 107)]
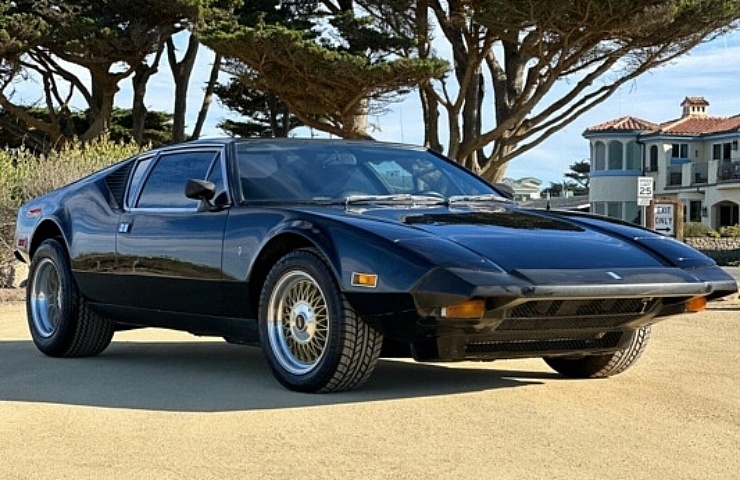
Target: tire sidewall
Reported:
[(312, 265), (58, 342)]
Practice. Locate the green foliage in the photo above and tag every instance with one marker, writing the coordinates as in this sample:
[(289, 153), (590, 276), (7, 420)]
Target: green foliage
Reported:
[(325, 88), (18, 31), (24, 175), (14, 134), (695, 229), (265, 115), (580, 172), (730, 231)]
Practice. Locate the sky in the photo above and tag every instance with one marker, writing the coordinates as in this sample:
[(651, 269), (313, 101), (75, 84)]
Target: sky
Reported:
[(711, 70)]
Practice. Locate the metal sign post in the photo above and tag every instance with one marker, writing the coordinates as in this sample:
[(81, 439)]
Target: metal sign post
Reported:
[(644, 195)]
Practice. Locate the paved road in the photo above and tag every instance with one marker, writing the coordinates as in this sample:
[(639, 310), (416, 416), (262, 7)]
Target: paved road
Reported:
[(167, 405), (734, 271)]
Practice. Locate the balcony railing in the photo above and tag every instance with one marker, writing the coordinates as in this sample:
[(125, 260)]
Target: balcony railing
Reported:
[(692, 174), (675, 177), (699, 173), (728, 171)]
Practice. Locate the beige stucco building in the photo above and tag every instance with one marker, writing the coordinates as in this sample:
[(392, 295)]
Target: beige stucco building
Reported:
[(694, 158)]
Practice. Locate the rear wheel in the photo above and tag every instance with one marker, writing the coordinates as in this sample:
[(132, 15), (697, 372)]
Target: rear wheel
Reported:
[(311, 336), (595, 366), (61, 323)]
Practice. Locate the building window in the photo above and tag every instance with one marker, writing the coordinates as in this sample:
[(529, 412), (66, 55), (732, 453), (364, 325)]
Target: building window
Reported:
[(614, 209), (615, 155), (633, 156), (599, 154), (680, 150), (694, 211), (717, 151), (653, 165), (632, 213)]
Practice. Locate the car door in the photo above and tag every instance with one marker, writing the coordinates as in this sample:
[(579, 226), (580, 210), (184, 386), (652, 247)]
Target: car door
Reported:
[(168, 246)]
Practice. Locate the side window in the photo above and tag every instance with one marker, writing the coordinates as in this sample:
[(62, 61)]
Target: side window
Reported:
[(165, 187), (216, 176), (136, 179)]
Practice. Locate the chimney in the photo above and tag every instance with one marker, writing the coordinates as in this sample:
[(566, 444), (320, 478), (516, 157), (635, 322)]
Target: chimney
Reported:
[(694, 107)]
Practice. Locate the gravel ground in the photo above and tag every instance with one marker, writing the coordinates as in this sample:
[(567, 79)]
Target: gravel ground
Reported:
[(167, 405)]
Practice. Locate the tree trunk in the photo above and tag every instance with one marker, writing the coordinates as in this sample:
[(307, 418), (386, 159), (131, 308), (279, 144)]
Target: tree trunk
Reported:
[(430, 109), (207, 97), (181, 75), (141, 77), (355, 126), (103, 93), (138, 108)]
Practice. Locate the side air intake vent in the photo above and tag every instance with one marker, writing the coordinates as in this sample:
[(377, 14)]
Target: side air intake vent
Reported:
[(116, 183)]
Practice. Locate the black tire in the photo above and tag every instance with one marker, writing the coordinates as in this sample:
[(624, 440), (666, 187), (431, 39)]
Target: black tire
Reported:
[(598, 366), (61, 323), (317, 343)]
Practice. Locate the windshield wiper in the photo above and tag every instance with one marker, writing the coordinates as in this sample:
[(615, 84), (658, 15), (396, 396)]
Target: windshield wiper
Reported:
[(489, 197), (404, 199)]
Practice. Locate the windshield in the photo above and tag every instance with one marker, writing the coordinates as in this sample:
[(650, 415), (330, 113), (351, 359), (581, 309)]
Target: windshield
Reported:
[(341, 171)]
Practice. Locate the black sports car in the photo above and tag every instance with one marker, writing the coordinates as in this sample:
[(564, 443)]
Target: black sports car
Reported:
[(333, 253)]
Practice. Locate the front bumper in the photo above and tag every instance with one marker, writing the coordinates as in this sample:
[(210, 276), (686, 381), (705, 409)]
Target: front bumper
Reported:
[(536, 313)]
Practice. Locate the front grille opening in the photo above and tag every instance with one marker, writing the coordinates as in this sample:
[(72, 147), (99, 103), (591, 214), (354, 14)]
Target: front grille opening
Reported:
[(609, 340), (574, 308), (576, 314)]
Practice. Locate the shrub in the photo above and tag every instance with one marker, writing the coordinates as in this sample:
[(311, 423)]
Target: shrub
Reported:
[(730, 231), (23, 176), (694, 229)]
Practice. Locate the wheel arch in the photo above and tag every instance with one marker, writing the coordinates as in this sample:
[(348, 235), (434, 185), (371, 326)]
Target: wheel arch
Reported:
[(47, 229), (276, 248)]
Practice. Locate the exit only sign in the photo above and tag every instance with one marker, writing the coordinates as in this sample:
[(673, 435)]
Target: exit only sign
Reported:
[(666, 217)]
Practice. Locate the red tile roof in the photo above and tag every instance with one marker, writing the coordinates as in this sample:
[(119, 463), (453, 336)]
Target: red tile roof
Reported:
[(695, 101), (700, 125), (681, 126), (624, 124)]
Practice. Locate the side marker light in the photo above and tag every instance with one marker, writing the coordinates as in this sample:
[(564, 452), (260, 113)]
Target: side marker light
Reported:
[(467, 309), (369, 280)]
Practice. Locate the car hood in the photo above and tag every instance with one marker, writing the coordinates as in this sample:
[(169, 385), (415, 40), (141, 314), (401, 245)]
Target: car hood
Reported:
[(516, 239), (511, 237)]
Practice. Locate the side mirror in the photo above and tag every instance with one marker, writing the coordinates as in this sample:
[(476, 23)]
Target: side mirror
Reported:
[(200, 190)]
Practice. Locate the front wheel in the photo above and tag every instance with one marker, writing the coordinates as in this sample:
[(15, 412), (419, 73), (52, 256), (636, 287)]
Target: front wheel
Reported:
[(61, 323), (311, 336), (595, 366)]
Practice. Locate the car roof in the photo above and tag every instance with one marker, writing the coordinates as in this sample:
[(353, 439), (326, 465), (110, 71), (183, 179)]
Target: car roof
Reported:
[(291, 140)]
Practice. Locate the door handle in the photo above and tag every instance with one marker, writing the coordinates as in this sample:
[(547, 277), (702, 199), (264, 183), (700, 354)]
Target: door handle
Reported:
[(124, 227)]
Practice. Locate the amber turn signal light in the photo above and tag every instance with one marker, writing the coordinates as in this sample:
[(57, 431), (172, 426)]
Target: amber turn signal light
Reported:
[(467, 309), (696, 304), (364, 280)]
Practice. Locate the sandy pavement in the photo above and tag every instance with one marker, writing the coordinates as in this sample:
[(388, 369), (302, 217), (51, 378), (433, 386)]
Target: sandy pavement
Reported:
[(167, 405)]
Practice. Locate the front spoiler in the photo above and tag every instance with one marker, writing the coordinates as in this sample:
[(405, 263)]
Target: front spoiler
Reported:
[(447, 286)]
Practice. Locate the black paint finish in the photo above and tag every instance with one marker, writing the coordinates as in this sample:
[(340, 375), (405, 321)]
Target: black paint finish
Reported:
[(202, 271)]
